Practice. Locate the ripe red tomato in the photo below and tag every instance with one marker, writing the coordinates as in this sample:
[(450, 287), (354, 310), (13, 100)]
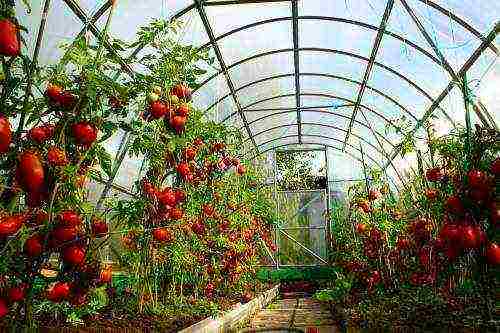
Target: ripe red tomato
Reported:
[(158, 109), (183, 169), (84, 133), (434, 174), (167, 197), (361, 228), (477, 178), (67, 100), (74, 255), (56, 156), (64, 234), (9, 225), (183, 110), (431, 194), (5, 134), (69, 218), (59, 292), (189, 153), (176, 214), (17, 293), (53, 92), (454, 205), (99, 227), (470, 237), (495, 167), (33, 246), (240, 169), (178, 123), (208, 210), (106, 275), (30, 172), (10, 44), (4, 310), (182, 91), (162, 235), (493, 254), (180, 196)]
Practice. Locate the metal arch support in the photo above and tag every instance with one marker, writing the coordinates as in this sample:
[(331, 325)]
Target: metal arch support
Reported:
[(429, 3), (466, 66), (428, 38), (80, 13), (296, 64), (317, 111), (333, 19), (220, 58), (315, 95), (331, 76), (334, 51), (460, 21), (369, 66), (320, 125)]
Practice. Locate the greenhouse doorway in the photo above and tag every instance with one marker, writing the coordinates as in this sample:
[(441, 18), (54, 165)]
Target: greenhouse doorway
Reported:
[(302, 202)]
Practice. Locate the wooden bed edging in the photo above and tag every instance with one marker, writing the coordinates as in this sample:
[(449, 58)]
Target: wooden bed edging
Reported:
[(229, 320)]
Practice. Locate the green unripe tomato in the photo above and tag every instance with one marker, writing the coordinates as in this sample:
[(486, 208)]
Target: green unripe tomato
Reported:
[(174, 99), (157, 90), (152, 97)]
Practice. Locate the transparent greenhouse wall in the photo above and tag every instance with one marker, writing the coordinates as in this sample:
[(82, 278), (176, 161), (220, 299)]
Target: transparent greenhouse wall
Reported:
[(303, 228)]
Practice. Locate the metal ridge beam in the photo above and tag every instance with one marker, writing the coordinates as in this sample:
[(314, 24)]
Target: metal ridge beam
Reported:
[(220, 58), (368, 71), (466, 66), (296, 64), (319, 111), (279, 76)]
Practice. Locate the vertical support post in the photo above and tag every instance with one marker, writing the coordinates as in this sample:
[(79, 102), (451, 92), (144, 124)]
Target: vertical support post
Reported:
[(278, 212), (465, 92), (328, 217), (367, 183)]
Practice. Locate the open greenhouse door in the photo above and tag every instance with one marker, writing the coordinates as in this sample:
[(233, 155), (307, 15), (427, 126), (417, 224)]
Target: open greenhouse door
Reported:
[(301, 195)]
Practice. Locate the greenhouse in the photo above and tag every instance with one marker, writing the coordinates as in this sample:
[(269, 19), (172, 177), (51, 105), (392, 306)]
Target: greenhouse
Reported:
[(249, 165)]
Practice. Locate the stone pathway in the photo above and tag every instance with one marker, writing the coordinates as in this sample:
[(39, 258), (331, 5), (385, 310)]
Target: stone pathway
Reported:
[(293, 315)]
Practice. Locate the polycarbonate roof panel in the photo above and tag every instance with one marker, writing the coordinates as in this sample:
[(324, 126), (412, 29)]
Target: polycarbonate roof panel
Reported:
[(323, 100), (280, 102), (222, 110), (55, 33), (326, 117), (329, 86), (229, 17), (343, 166), (211, 92), (325, 130), (415, 67), (261, 120), (332, 63), (359, 10), (266, 89), (256, 40), (336, 36), (282, 141), (400, 90), (261, 68), (455, 42), (275, 133)]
